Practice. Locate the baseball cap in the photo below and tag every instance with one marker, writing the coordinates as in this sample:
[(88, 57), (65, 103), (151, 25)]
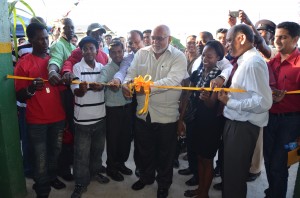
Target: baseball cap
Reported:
[(265, 25), (96, 26), (88, 39)]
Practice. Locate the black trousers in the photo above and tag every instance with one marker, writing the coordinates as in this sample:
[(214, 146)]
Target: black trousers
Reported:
[(118, 135), (156, 143), (239, 143)]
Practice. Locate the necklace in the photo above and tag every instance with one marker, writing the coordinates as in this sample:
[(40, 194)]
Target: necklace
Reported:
[(47, 88)]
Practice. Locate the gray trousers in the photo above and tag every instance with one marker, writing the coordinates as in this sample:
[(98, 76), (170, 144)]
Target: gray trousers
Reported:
[(239, 143), (89, 142)]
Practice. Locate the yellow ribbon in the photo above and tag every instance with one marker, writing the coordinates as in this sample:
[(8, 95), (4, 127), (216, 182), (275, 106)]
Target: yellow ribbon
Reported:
[(145, 83), (21, 78), (28, 78)]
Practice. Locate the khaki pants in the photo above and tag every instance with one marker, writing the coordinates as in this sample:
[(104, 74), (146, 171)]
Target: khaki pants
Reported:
[(257, 158)]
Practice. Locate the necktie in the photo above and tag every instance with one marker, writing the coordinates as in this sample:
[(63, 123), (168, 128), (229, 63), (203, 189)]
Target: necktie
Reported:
[(234, 68)]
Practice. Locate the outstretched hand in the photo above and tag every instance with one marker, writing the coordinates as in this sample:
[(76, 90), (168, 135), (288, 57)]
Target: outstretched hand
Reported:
[(223, 96)]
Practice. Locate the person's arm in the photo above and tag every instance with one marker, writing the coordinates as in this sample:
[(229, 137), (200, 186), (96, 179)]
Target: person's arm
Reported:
[(77, 73), (226, 68), (257, 85), (80, 92), (121, 74), (184, 97), (208, 98), (74, 58), (231, 20), (55, 64), (261, 44)]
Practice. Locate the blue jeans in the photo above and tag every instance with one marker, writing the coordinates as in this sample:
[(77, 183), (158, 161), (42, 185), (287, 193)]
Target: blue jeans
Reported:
[(281, 130), (25, 142), (46, 140), (88, 148)]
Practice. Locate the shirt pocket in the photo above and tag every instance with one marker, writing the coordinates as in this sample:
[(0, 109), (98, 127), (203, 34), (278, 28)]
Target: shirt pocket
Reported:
[(164, 70)]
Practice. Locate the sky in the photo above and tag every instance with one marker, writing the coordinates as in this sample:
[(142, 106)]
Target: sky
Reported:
[(183, 17)]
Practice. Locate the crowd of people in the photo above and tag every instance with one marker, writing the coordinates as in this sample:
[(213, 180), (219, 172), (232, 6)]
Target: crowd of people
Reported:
[(86, 103)]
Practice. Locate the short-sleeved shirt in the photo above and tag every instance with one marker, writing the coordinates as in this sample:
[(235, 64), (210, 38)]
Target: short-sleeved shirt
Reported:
[(45, 106), (60, 50), (286, 76), (90, 108)]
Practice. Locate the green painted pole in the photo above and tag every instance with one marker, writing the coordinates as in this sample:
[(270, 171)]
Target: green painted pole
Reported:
[(12, 180)]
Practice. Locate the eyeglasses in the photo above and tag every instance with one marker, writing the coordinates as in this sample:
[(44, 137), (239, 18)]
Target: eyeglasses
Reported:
[(158, 38)]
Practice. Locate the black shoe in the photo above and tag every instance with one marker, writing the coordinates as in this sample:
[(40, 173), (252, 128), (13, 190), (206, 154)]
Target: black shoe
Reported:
[(57, 184), (124, 170), (185, 171), (176, 163), (217, 171), (67, 177), (192, 182), (102, 169), (253, 176), (267, 193), (218, 186), (137, 172), (139, 185), (115, 175), (79, 189), (101, 179), (162, 192)]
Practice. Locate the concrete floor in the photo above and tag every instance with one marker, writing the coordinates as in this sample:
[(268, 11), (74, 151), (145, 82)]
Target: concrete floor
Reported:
[(123, 189)]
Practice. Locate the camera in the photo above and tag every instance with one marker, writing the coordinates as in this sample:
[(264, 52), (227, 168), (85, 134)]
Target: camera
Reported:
[(234, 13)]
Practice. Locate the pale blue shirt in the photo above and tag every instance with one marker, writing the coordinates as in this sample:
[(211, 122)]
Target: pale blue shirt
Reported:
[(251, 75), (113, 98)]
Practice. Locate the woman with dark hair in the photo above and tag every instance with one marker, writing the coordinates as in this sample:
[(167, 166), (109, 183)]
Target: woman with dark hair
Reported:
[(202, 125)]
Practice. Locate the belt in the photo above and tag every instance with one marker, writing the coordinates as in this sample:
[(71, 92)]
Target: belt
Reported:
[(286, 114)]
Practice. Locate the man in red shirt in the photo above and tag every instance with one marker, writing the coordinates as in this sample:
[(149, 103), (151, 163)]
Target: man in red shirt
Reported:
[(44, 112), (96, 31), (284, 118)]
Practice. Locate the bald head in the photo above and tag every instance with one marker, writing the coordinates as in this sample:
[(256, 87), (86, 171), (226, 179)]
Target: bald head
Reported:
[(161, 38), (164, 29)]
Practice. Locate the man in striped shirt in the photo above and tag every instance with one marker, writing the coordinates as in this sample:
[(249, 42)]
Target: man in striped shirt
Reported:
[(89, 118)]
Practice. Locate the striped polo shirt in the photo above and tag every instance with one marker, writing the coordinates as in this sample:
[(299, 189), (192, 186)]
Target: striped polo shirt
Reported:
[(90, 108)]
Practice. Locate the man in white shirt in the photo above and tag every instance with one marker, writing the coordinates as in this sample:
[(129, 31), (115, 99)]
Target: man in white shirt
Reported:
[(246, 112), (89, 118), (156, 136)]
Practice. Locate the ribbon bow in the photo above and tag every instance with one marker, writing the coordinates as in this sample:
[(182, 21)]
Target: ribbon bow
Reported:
[(139, 83)]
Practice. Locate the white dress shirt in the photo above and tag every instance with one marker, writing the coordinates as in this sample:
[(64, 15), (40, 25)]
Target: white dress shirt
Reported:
[(251, 75), (169, 69)]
